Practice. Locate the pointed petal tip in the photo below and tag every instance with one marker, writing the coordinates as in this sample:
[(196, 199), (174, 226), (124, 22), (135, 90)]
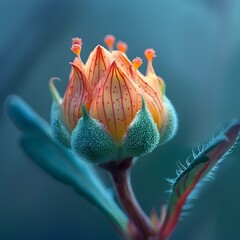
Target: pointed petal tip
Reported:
[(114, 64), (76, 67), (99, 47), (73, 64)]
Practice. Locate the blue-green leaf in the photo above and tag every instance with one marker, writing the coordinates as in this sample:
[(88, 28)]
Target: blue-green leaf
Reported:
[(62, 163), (68, 168), (24, 117)]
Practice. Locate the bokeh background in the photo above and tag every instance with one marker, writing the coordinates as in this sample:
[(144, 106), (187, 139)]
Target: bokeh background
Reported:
[(198, 54)]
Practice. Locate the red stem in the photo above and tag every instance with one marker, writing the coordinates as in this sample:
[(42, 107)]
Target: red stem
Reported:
[(120, 173)]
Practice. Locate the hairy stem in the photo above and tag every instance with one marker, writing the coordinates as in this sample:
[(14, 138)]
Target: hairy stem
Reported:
[(120, 173)]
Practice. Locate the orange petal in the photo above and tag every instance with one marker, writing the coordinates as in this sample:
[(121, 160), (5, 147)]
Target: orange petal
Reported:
[(78, 92), (98, 62), (116, 100), (149, 87), (78, 62), (156, 82), (153, 96), (123, 61)]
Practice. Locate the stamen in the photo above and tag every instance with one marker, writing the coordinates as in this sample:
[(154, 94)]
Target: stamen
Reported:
[(122, 46), (77, 41), (109, 40), (150, 54), (137, 62), (76, 46)]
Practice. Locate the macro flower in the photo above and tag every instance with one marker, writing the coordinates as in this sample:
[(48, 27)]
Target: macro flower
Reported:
[(111, 113), (110, 110)]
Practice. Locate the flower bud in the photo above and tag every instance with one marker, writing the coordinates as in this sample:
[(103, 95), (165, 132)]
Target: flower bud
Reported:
[(110, 110)]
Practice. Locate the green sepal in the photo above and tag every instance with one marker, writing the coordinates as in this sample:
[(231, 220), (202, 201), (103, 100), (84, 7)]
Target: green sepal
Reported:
[(91, 140), (170, 125), (54, 92), (59, 131), (142, 135)]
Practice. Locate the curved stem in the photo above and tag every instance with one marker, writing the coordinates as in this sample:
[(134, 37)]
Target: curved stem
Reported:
[(120, 173)]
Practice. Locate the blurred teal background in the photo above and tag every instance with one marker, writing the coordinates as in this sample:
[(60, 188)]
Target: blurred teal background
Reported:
[(197, 43)]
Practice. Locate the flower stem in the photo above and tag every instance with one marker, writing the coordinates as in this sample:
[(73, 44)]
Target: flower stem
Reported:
[(120, 173)]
